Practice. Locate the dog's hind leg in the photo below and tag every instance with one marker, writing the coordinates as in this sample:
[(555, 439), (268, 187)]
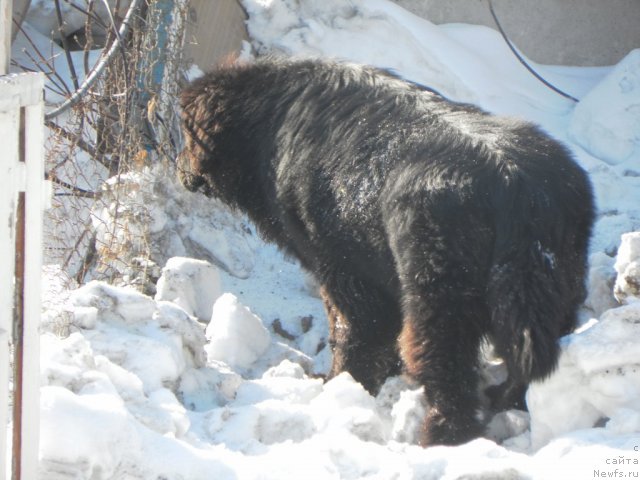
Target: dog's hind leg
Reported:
[(364, 324), (438, 247)]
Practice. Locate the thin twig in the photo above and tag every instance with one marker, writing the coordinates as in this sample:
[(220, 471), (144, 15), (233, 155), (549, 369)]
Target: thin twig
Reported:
[(89, 36), (79, 142), (52, 85), (65, 46), (88, 12), (45, 61), (118, 36)]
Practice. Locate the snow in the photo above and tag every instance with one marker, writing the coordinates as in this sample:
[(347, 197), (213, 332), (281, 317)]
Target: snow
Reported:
[(179, 281), (606, 122), (236, 336), (598, 378), (627, 265), (220, 374)]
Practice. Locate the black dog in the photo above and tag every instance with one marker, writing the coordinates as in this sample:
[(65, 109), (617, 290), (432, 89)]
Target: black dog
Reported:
[(430, 225)]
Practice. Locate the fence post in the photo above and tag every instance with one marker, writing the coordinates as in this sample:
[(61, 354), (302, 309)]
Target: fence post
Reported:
[(35, 202), (21, 121), (8, 204)]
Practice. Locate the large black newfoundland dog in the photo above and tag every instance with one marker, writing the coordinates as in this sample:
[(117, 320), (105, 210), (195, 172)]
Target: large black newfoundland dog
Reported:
[(430, 225)]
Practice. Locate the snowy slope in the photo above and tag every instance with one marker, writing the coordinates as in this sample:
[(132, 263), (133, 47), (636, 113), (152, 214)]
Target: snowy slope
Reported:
[(138, 387)]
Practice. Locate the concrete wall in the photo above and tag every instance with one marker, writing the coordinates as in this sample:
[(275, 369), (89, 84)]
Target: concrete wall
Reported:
[(215, 30), (565, 32)]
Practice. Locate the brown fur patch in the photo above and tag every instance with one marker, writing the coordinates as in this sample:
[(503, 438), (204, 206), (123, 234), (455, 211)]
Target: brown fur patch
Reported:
[(338, 332), (412, 348)]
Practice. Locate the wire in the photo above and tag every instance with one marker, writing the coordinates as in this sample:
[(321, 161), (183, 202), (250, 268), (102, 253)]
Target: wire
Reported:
[(523, 61)]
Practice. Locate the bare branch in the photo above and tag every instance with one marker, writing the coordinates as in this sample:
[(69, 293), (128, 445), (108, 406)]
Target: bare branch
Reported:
[(75, 191), (65, 46), (88, 12), (100, 66), (43, 60)]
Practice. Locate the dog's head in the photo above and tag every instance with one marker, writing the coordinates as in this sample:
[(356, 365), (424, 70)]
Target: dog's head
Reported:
[(202, 109), (195, 156)]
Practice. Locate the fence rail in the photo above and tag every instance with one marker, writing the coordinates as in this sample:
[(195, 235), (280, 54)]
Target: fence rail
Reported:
[(22, 199)]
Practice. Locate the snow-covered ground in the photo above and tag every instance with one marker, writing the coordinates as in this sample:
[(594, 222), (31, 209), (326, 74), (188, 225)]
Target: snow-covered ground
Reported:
[(216, 377)]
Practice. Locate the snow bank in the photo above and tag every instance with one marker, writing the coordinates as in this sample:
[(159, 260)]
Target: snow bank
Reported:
[(142, 391), (598, 376), (116, 373), (133, 390), (146, 210), (606, 122)]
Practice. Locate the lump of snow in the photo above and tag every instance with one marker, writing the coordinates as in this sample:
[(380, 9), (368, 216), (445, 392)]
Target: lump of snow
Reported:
[(169, 404), (279, 422), (624, 422), (600, 283), (606, 122), (156, 341), (269, 422), (227, 247), (192, 284), (205, 388), (408, 416), (63, 362), (269, 387), (198, 226), (344, 404), (598, 376), (237, 336), (507, 425), (627, 287), (84, 436), (404, 406), (286, 369), (114, 303)]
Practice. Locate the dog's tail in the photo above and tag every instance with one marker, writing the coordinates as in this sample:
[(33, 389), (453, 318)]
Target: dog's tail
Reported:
[(536, 281)]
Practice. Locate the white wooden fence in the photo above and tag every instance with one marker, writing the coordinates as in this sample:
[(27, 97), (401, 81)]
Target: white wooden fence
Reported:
[(22, 199)]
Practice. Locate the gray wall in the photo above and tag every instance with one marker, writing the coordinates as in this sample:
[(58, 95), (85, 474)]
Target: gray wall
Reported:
[(215, 30), (563, 32)]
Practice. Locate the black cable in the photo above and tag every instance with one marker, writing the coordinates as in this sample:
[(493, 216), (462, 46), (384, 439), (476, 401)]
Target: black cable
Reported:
[(522, 60)]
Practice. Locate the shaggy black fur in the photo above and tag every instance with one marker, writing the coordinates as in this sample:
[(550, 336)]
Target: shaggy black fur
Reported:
[(430, 225)]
